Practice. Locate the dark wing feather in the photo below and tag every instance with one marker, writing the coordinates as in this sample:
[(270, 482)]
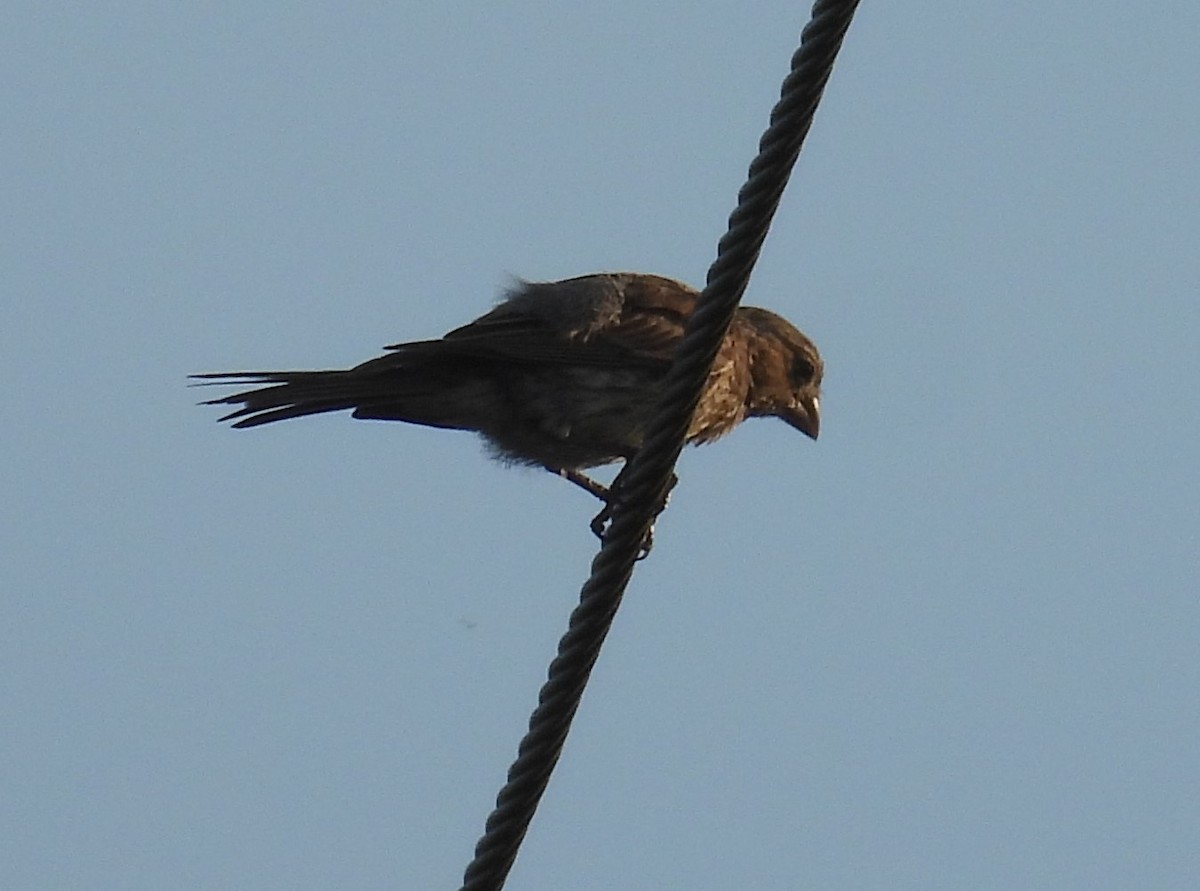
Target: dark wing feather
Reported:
[(610, 319), (653, 314)]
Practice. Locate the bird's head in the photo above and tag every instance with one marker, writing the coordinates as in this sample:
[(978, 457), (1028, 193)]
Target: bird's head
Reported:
[(785, 371)]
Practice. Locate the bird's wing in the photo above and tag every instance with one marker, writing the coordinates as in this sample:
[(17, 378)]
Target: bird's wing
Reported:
[(653, 315), (620, 319)]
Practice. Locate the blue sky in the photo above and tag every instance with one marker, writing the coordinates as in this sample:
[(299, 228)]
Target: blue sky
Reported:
[(955, 643)]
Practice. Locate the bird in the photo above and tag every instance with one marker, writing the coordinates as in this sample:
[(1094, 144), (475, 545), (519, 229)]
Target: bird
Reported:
[(563, 375)]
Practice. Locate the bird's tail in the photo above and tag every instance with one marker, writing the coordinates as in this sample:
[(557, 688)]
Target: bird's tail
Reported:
[(287, 394), (401, 386)]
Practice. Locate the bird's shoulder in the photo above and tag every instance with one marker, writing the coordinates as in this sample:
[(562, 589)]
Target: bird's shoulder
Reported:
[(605, 318), (654, 311)]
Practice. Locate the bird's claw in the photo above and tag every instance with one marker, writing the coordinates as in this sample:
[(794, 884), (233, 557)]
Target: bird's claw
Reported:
[(600, 522), (609, 496), (599, 529)]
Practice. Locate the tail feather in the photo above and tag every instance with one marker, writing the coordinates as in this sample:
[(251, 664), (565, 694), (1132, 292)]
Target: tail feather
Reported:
[(290, 394), (448, 397)]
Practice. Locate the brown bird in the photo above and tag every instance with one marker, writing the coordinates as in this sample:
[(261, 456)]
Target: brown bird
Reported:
[(563, 375)]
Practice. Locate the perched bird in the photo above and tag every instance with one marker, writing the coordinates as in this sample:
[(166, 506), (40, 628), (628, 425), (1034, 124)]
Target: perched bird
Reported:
[(562, 375)]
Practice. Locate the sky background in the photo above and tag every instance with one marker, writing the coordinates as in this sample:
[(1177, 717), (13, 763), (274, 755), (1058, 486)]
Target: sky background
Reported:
[(954, 644)]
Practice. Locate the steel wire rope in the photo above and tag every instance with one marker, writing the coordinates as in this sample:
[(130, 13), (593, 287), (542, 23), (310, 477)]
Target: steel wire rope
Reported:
[(647, 477)]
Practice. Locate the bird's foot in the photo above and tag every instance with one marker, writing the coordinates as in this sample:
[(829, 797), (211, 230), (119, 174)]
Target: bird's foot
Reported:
[(599, 529), (600, 521), (609, 495)]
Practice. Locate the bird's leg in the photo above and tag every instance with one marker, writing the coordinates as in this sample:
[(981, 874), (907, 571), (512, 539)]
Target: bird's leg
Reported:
[(608, 494), (582, 480)]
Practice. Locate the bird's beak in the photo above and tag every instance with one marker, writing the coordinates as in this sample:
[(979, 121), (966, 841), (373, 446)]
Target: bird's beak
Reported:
[(805, 416)]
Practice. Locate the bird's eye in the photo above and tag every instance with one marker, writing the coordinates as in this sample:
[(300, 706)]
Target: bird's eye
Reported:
[(802, 370)]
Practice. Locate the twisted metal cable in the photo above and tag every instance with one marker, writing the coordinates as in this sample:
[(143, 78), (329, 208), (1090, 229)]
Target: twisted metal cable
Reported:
[(644, 482)]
